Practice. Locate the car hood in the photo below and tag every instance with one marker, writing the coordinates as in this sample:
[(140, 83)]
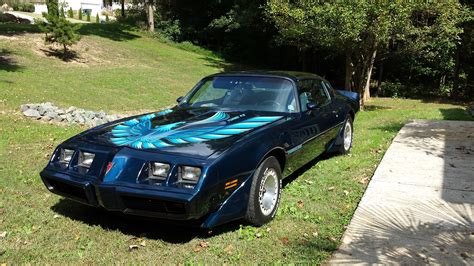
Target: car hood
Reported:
[(184, 131)]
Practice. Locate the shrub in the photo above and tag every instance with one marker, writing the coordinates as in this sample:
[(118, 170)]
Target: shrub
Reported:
[(80, 14), (25, 7), (60, 31), (16, 6), (97, 19), (88, 18), (118, 12), (61, 12), (106, 17), (70, 13)]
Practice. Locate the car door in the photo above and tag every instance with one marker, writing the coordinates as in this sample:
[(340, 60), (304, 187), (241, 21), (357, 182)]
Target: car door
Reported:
[(308, 129)]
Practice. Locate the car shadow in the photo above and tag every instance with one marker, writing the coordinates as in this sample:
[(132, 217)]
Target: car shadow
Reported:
[(135, 226)]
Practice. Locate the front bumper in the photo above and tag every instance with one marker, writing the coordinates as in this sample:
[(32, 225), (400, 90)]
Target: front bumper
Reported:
[(127, 198)]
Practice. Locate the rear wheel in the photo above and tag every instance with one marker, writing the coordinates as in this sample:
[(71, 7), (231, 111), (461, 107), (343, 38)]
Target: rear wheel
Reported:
[(265, 192), (347, 136)]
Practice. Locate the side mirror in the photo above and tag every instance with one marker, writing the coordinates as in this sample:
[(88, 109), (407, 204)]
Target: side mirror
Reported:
[(311, 106), (180, 98)]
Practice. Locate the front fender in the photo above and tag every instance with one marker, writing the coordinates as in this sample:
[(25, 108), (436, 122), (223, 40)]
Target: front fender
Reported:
[(240, 162)]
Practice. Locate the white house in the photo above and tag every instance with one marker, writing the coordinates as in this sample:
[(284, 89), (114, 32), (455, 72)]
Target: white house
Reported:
[(92, 6)]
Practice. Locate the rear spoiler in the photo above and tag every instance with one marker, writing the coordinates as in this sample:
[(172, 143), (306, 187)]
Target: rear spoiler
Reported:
[(354, 96)]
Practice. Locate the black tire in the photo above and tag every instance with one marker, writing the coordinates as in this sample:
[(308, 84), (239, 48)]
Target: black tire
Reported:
[(344, 149), (255, 215)]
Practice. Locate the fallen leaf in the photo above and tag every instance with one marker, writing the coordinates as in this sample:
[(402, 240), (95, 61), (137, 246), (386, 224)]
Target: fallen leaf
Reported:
[(331, 188), (3, 234), (309, 182), (300, 204), (315, 234), (197, 249), (258, 235), (229, 249), (204, 244), (346, 192), (143, 243), (284, 240), (132, 247), (269, 229), (56, 216), (305, 235)]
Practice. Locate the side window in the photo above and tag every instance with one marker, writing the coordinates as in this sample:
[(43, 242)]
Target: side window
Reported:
[(321, 95), (305, 89)]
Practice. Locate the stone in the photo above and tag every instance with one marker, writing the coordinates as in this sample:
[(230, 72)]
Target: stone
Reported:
[(24, 107), (32, 113), (41, 110), (71, 109), (69, 118), (45, 118)]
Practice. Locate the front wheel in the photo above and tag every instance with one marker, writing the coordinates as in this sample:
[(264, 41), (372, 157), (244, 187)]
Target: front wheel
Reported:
[(265, 192)]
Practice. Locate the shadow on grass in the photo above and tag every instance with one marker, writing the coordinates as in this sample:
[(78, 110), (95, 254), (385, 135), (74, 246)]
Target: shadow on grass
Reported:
[(7, 63), (112, 31), (58, 53), (12, 29), (222, 64), (168, 231), (375, 107), (455, 114), (392, 127), (306, 167)]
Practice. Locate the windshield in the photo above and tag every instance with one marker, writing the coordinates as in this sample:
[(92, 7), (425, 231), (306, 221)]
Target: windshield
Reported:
[(249, 93)]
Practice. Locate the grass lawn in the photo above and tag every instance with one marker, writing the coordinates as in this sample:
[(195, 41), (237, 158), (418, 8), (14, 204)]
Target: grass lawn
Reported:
[(119, 70)]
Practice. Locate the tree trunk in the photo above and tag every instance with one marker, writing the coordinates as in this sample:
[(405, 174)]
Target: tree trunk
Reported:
[(379, 80), (455, 93), (123, 8), (349, 70), (370, 66), (149, 10)]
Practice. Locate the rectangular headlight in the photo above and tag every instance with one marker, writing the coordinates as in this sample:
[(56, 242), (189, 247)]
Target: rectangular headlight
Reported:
[(190, 174), (85, 159), (159, 170), (65, 156)]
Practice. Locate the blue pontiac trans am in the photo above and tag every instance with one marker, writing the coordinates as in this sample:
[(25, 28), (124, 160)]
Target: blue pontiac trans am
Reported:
[(219, 155)]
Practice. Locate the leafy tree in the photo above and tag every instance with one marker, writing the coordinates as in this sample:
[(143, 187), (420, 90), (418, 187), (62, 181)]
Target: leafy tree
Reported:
[(58, 30), (70, 13), (61, 11), (97, 19), (88, 18), (79, 14), (52, 6), (359, 28)]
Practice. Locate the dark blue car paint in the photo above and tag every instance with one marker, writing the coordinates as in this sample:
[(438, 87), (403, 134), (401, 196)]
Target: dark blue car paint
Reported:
[(295, 139)]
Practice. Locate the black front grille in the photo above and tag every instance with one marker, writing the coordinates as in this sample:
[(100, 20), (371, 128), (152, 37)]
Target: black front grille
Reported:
[(153, 205), (66, 189)]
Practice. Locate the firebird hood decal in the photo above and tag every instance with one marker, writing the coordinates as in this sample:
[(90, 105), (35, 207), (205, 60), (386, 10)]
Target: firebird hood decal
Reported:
[(139, 133)]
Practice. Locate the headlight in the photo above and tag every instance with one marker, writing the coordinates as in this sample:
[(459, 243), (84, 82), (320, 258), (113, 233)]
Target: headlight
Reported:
[(190, 174), (65, 156), (85, 159), (159, 170)]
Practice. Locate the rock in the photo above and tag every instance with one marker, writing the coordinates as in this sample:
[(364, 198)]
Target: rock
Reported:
[(71, 109), (52, 115), (41, 110), (32, 113), (60, 111), (45, 118), (69, 118), (24, 107)]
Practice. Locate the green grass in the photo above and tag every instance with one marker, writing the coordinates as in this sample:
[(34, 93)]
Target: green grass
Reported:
[(126, 71)]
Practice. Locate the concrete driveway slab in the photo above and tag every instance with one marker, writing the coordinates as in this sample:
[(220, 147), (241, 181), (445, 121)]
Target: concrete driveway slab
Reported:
[(419, 205)]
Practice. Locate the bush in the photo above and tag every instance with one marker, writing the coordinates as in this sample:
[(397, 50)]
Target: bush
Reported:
[(118, 12), (97, 19), (61, 12), (79, 13), (88, 18), (61, 31), (25, 7), (70, 13), (169, 29), (106, 17)]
